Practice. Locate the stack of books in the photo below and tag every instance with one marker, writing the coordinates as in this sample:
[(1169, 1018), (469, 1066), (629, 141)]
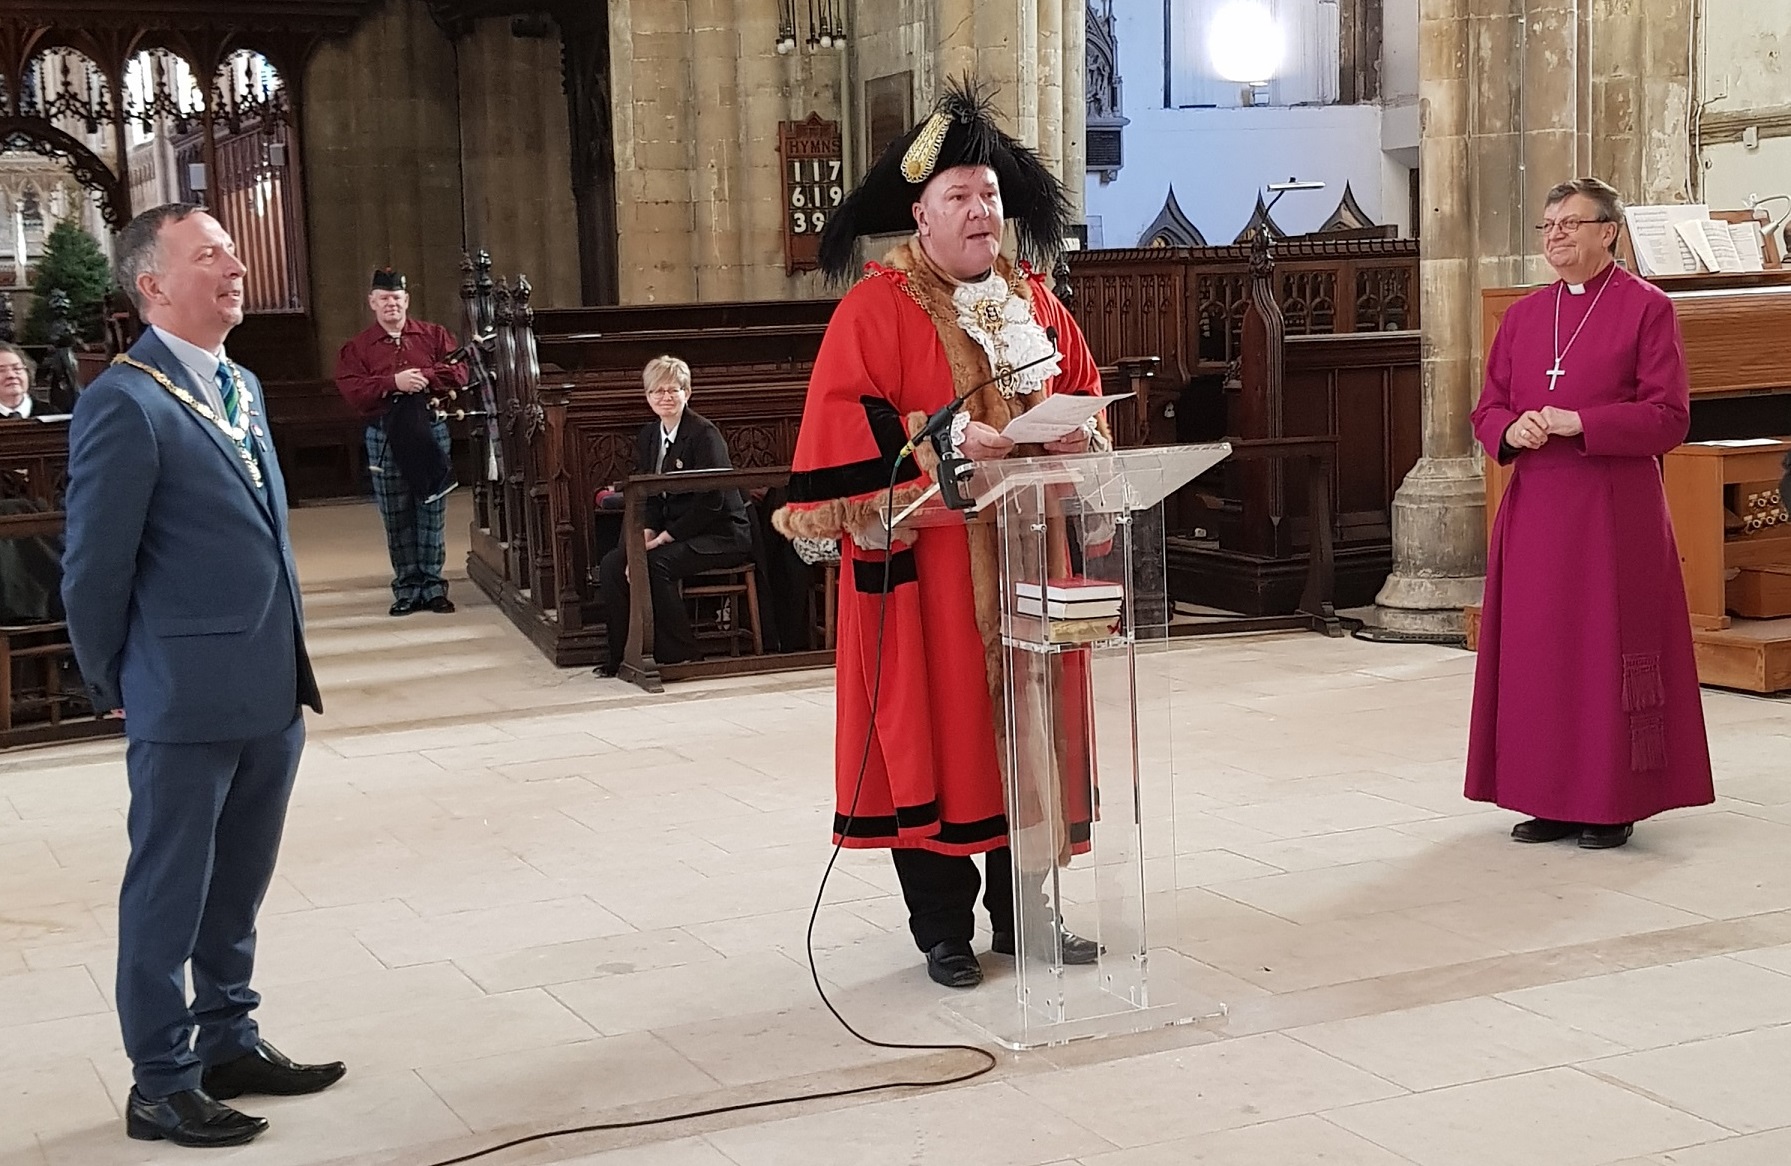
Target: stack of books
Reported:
[(1073, 609)]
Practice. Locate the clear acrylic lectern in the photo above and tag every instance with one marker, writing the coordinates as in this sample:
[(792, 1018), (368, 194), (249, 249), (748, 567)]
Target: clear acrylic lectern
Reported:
[(1087, 756)]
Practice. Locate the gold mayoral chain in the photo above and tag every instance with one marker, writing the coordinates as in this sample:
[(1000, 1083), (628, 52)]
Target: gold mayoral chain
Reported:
[(238, 436)]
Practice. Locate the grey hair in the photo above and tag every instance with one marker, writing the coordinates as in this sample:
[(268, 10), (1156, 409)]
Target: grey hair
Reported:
[(135, 251), (1603, 195), (662, 368), (24, 358)]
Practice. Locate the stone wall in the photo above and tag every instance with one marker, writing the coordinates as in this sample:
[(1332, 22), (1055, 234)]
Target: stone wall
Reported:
[(398, 124)]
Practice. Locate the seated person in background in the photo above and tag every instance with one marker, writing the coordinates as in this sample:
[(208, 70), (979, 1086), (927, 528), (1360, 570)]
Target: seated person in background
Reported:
[(686, 534), (15, 383)]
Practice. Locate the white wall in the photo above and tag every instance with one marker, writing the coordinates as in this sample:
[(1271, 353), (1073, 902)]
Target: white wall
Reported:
[(1218, 160), (1747, 66)]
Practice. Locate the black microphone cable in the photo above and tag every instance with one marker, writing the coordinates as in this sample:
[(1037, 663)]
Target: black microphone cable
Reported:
[(990, 1060)]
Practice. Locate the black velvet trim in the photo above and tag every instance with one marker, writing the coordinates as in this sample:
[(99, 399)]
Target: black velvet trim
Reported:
[(909, 817), (856, 479), (950, 833), (1080, 832), (868, 575)]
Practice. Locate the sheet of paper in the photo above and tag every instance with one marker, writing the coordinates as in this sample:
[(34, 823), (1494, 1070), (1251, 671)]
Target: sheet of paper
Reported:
[(1057, 415), (1660, 250), (1738, 442), (1748, 245)]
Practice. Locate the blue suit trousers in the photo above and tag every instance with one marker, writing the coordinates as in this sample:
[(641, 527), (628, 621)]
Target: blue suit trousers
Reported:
[(205, 824)]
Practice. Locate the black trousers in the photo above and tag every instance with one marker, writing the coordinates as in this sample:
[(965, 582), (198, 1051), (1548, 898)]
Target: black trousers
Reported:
[(940, 891), (673, 641)]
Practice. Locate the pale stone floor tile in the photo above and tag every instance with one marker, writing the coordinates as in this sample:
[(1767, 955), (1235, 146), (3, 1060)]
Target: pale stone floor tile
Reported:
[(762, 982), (1738, 1082), (555, 1086), (48, 1099), (1324, 814), (1777, 959), (1535, 920), (1768, 1149), (50, 994), (1453, 1043), (990, 1125), (1572, 1118), (585, 959), (683, 1152), (1295, 1141), (1646, 1008), (489, 930), (1215, 1087)]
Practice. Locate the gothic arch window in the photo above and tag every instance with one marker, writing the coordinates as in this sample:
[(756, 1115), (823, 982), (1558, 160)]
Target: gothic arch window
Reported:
[(31, 212), (1172, 228)]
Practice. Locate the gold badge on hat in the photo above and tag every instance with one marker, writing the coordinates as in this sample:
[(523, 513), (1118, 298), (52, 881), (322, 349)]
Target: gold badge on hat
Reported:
[(923, 155)]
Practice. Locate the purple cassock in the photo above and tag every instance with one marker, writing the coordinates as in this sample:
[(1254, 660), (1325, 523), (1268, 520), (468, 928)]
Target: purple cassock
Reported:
[(1586, 703)]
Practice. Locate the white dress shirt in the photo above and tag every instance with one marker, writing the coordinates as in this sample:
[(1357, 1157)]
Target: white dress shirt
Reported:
[(23, 409), (202, 364)]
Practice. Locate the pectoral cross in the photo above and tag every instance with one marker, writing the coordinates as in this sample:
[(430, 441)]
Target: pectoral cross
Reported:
[(1555, 374)]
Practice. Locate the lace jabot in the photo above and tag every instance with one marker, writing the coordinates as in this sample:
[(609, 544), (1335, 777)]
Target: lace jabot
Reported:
[(1001, 323)]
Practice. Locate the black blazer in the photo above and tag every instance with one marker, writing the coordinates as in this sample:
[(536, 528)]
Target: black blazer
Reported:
[(715, 522)]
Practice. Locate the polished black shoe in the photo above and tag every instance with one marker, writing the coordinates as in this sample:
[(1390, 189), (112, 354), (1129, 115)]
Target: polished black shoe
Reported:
[(1606, 837), (1543, 830), (191, 1117), (268, 1071), (1076, 950), (403, 607), (952, 963), (441, 605)]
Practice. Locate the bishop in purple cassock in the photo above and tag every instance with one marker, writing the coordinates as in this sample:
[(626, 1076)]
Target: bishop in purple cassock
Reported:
[(1586, 706)]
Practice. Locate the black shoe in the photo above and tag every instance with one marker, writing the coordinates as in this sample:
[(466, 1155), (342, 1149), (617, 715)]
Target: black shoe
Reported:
[(1606, 837), (191, 1117), (952, 963), (403, 607), (607, 670), (266, 1070), (1543, 830), (441, 605), (1076, 950)]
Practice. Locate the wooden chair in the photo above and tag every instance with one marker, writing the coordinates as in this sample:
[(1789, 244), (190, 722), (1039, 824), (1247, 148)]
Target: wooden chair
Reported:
[(45, 645), (731, 589)]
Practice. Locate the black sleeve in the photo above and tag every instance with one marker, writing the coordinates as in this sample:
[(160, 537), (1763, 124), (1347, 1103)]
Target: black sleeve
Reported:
[(706, 509)]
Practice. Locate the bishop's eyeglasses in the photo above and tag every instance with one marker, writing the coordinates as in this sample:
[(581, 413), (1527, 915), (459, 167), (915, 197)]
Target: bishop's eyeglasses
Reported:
[(1566, 226)]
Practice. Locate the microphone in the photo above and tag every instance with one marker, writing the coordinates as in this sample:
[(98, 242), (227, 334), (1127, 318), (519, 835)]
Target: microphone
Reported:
[(939, 421)]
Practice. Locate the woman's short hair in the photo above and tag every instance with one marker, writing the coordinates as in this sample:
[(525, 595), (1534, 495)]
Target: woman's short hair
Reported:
[(666, 368), (1603, 195), (24, 358)]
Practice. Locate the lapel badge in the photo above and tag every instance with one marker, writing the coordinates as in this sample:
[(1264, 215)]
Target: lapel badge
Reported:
[(677, 463)]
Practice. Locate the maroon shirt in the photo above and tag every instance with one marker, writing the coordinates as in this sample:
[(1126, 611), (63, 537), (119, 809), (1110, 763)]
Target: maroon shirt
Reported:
[(367, 363)]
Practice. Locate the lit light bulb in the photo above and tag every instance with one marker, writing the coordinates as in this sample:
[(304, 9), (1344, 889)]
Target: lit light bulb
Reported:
[(1246, 42), (826, 40)]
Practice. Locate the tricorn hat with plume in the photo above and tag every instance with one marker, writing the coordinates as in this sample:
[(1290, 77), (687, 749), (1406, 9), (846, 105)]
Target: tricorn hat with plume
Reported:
[(961, 131)]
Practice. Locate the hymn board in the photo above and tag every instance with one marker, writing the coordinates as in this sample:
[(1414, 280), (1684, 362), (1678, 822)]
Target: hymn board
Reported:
[(814, 185)]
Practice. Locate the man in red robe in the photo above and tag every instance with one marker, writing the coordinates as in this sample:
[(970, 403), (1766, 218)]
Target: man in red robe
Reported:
[(1586, 705), (388, 375), (917, 764)]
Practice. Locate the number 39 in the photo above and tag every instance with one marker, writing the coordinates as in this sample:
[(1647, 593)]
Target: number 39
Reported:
[(807, 222)]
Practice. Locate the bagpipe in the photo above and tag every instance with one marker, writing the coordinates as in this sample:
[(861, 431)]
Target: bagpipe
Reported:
[(409, 421)]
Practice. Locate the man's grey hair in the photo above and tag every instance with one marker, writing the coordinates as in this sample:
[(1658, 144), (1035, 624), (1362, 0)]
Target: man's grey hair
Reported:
[(24, 358), (135, 250), (1603, 195)]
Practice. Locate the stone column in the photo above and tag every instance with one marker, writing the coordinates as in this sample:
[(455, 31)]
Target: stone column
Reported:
[(1439, 529), (716, 149)]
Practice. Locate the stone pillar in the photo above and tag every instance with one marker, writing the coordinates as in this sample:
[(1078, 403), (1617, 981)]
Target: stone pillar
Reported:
[(716, 149), (1514, 96), (1074, 24)]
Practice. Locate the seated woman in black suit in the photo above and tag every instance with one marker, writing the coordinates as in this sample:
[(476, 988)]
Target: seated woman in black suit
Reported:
[(686, 534)]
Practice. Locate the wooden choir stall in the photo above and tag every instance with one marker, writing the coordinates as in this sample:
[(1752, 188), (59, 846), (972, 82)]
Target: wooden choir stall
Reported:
[(1723, 486)]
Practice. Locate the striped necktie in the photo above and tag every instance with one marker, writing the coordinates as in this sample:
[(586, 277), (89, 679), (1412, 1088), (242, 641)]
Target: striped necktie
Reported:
[(233, 409)]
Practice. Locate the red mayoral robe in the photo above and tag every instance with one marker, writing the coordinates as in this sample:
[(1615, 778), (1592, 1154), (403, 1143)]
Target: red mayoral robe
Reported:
[(893, 353), (1586, 702)]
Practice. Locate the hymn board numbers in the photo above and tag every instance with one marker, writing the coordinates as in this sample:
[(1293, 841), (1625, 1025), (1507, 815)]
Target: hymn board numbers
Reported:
[(814, 185)]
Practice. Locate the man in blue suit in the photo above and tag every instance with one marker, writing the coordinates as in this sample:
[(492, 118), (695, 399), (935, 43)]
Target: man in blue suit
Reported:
[(183, 607)]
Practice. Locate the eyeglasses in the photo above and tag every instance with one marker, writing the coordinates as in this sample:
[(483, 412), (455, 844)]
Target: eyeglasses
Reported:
[(665, 391), (1566, 226)]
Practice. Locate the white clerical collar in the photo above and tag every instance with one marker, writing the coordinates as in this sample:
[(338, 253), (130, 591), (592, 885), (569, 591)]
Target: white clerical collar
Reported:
[(1576, 289), (667, 436), (202, 364), (22, 409)]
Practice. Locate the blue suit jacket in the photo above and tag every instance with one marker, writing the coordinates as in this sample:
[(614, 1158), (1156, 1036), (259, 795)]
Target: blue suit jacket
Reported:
[(182, 596)]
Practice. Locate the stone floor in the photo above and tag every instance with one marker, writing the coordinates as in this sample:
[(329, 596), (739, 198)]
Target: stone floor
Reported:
[(514, 898)]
